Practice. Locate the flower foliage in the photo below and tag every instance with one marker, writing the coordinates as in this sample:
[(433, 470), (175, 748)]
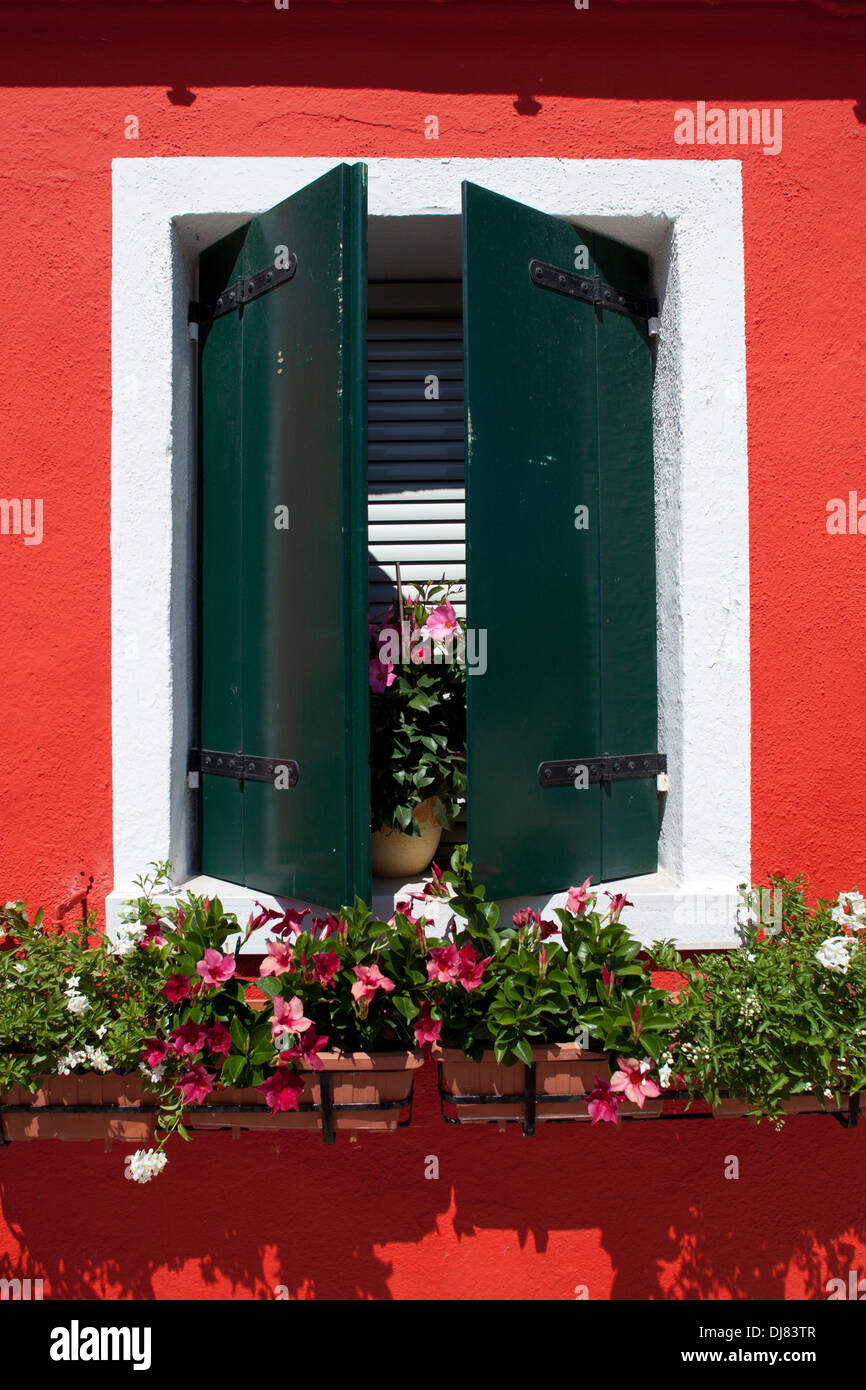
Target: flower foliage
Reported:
[(783, 1015), (417, 711), (574, 975), (70, 1001)]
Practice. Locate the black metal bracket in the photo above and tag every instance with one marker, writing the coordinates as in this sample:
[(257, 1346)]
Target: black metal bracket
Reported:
[(241, 766), (245, 289), (591, 290), (621, 769)]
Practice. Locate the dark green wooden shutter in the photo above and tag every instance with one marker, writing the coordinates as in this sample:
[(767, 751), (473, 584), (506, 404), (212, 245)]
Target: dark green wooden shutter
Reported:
[(283, 612), (558, 415)]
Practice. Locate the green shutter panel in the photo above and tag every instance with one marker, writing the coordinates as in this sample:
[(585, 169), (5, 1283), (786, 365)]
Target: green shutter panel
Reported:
[(283, 610), (558, 416)]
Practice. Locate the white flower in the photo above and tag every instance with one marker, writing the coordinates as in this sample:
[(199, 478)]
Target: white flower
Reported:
[(101, 1030), (833, 953), (129, 934), (68, 1062), (72, 984), (97, 1059), (78, 1003), (666, 1071), (155, 1075), (145, 1164)]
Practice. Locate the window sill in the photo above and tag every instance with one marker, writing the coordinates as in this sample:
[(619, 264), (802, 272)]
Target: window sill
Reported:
[(696, 916)]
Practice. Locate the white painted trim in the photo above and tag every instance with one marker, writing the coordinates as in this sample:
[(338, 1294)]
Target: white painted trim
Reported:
[(688, 215)]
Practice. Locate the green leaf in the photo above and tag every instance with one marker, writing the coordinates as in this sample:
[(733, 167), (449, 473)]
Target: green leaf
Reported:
[(523, 1050)]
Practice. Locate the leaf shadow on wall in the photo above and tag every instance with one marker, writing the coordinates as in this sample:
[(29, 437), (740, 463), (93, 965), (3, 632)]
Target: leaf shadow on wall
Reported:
[(645, 1211), (226, 1219)]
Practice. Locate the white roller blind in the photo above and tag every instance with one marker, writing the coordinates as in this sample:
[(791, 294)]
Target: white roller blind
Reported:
[(416, 497)]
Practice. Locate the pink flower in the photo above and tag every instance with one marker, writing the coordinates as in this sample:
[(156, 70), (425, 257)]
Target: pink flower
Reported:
[(381, 676), (195, 1084), (188, 1039), (155, 1052), (325, 966), (578, 898), (444, 964), (282, 1089), (288, 1018), (218, 1039), (426, 1029), (632, 1081), (421, 651), (435, 888), (176, 988), (292, 920), (442, 623), (309, 1047), (602, 1105), (280, 959), (215, 968), (525, 917), (263, 916), (471, 967), (405, 910), (367, 980), (617, 902), (323, 927), (153, 935)]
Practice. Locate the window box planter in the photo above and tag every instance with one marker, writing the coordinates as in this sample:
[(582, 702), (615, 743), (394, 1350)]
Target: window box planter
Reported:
[(354, 1091), (79, 1107), (554, 1087), (807, 1104)]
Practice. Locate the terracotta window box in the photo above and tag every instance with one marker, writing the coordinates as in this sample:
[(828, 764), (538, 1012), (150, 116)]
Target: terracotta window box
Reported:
[(554, 1087), (355, 1091)]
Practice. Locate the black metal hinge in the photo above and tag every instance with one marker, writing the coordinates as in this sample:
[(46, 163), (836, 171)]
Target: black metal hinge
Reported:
[(565, 772), (245, 289), (243, 767), (594, 291)]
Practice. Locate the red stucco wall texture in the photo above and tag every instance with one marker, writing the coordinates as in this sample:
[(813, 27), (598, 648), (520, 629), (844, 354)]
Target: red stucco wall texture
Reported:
[(645, 1212)]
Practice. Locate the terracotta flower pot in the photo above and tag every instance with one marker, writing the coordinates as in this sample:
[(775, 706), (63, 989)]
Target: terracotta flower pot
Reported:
[(561, 1070), (397, 855), (91, 1089), (367, 1080)]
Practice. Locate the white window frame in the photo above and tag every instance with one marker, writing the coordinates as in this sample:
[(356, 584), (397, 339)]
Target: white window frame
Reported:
[(688, 216)]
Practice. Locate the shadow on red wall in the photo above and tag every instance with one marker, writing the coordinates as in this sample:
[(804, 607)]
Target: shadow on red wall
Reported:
[(644, 1213)]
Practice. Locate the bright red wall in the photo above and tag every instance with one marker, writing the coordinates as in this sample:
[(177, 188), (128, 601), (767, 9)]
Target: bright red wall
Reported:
[(640, 1213)]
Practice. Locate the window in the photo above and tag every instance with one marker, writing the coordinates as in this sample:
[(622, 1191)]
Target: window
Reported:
[(689, 218), (560, 536)]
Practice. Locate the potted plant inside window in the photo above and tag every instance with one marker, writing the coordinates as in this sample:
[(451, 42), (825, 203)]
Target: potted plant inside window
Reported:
[(777, 1027), (544, 1020), (417, 728)]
